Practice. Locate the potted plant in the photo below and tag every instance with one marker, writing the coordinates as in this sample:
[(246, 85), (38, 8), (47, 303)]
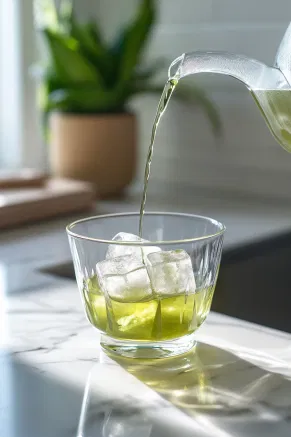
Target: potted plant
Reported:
[(85, 87)]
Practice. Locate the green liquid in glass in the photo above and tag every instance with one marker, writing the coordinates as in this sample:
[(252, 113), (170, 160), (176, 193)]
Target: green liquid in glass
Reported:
[(162, 318)]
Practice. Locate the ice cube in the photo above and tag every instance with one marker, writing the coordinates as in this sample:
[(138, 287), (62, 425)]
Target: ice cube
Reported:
[(171, 272), (118, 250), (124, 278)]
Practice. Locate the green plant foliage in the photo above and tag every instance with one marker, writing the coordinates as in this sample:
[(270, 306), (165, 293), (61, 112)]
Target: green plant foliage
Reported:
[(85, 74)]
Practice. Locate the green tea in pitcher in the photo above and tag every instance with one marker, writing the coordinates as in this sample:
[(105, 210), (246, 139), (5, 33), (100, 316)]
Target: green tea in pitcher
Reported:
[(275, 106)]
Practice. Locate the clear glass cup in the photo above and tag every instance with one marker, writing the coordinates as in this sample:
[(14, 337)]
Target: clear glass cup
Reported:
[(148, 308)]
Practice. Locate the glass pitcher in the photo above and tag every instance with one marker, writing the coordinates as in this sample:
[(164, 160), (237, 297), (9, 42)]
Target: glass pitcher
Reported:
[(269, 86)]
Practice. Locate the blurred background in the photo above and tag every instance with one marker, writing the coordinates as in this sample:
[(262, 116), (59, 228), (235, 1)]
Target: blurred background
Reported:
[(244, 159)]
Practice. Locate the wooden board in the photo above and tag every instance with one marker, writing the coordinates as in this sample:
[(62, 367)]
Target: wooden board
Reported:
[(56, 197), (22, 178)]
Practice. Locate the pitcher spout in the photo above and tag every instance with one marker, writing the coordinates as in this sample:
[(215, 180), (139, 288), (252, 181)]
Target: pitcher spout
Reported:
[(254, 74), (268, 85)]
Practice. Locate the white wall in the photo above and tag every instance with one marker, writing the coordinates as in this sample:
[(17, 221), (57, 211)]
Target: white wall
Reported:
[(248, 160)]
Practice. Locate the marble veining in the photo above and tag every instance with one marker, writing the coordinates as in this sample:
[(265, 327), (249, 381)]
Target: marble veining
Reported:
[(237, 379), (55, 381)]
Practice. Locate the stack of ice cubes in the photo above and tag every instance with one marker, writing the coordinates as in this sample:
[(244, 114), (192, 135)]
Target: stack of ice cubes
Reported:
[(133, 274)]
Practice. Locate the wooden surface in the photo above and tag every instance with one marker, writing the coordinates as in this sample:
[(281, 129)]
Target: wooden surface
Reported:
[(56, 197), (22, 178)]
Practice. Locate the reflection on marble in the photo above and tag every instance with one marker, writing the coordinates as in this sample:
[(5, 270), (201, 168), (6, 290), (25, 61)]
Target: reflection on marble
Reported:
[(234, 381), (221, 394)]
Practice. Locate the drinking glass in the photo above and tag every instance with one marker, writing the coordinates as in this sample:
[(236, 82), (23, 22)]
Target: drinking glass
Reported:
[(147, 297)]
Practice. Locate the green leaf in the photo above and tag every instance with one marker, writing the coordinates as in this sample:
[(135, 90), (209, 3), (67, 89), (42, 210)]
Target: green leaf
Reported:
[(133, 39), (84, 75), (67, 61), (83, 34), (94, 50), (86, 100), (45, 75), (42, 99), (95, 32)]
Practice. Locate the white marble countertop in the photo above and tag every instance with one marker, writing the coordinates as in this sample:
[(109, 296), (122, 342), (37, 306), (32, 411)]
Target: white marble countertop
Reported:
[(55, 380)]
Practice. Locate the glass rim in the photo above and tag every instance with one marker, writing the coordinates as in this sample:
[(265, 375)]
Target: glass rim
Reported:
[(145, 243)]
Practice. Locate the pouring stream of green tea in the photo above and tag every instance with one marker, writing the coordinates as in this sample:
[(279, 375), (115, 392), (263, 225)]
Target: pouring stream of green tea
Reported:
[(165, 98), (270, 88)]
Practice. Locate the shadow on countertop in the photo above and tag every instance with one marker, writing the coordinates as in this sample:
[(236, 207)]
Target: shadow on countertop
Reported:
[(207, 391)]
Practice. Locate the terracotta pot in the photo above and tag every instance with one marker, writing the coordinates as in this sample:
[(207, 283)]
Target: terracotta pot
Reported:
[(95, 148)]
